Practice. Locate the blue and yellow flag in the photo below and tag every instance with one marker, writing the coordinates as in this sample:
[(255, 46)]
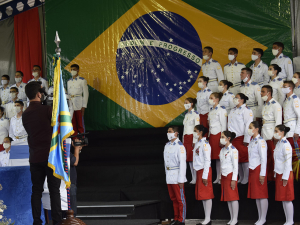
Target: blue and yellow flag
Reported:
[(62, 125)]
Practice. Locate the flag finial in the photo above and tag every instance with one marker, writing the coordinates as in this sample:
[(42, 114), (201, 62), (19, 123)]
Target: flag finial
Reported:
[(57, 41)]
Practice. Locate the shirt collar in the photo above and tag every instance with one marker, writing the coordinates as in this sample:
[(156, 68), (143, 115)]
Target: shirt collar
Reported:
[(203, 139), (191, 111), (283, 139), (248, 84), (257, 137), (205, 89), (236, 63), (270, 101), (228, 146), (280, 56), (217, 106), (289, 98)]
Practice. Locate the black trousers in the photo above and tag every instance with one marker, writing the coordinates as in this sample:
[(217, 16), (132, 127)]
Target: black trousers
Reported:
[(73, 198), (39, 171)]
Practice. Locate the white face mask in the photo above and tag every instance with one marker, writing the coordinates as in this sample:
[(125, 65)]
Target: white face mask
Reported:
[(6, 145), (264, 98), (187, 106), (295, 80), (200, 85), (35, 74), (3, 82), (220, 88), (276, 136), (171, 136), (13, 95), (18, 80), (195, 135), (245, 80), (74, 73), (223, 141), (211, 102), (275, 52), (250, 132), (236, 101), (205, 57), (231, 57), (254, 57), (270, 73), (18, 109), (285, 90)]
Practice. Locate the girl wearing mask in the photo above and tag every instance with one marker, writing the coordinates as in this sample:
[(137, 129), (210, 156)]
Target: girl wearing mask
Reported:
[(191, 119), (202, 101), (4, 127), (296, 81), (201, 163), (276, 83), (227, 98), (257, 187), (217, 119), (4, 155), (20, 85), (284, 179), (239, 119), (229, 157)]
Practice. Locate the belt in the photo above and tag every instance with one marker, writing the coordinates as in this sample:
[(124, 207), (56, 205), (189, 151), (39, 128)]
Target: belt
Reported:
[(260, 83), (173, 168), (4, 102), (236, 84), (211, 80), (268, 121), (73, 96), (23, 136), (252, 105), (289, 120)]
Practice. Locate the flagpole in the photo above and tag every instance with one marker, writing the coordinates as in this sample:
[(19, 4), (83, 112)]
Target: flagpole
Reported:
[(70, 213)]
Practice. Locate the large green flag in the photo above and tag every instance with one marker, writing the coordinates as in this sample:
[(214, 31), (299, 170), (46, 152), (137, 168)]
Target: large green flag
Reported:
[(141, 59)]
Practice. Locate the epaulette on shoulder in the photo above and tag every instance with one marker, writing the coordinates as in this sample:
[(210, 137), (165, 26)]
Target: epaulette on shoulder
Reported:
[(227, 64), (273, 102), (208, 90), (260, 137), (284, 141), (180, 143), (206, 141), (247, 107), (294, 96), (265, 63), (232, 147), (223, 107), (230, 93), (240, 63), (280, 79), (6, 118), (254, 83), (81, 78), (199, 91), (285, 56), (215, 61), (70, 79), (196, 112)]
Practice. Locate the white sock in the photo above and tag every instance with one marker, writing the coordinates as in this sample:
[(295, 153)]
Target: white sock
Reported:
[(264, 204), (235, 212), (289, 212), (193, 172), (204, 205), (258, 210), (207, 210), (246, 172), (241, 173), (218, 168), (230, 211), (284, 209)]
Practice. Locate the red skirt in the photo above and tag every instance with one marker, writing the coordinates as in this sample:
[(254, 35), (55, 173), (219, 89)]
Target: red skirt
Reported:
[(227, 194), (270, 160), (203, 192), (284, 193), (255, 189), (204, 122), (243, 150), (188, 144), (214, 141), (291, 140), (1, 148)]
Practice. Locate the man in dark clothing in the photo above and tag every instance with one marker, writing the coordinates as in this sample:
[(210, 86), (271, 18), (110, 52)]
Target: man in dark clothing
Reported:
[(37, 123)]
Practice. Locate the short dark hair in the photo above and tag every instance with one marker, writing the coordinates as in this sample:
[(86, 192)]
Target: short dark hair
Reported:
[(174, 128), (210, 49), (256, 124), (284, 128), (279, 44), (227, 83), (20, 72), (259, 50), (9, 138), (243, 97), (276, 67), (75, 65), (20, 102), (269, 89), (15, 88), (291, 83), (234, 50), (205, 79), (248, 70), (192, 100), (32, 88), (217, 95), (6, 76), (230, 135), (37, 66)]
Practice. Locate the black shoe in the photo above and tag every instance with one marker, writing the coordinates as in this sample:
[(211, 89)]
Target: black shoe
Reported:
[(173, 222), (179, 223)]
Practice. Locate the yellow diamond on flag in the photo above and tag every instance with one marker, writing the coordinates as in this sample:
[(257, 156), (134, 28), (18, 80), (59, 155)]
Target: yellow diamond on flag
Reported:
[(148, 61)]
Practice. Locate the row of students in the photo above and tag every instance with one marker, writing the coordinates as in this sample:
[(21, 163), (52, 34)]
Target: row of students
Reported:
[(175, 167), (213, 70)]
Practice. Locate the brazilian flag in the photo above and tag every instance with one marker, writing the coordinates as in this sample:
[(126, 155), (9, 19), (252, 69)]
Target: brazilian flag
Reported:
[(141, 59)]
